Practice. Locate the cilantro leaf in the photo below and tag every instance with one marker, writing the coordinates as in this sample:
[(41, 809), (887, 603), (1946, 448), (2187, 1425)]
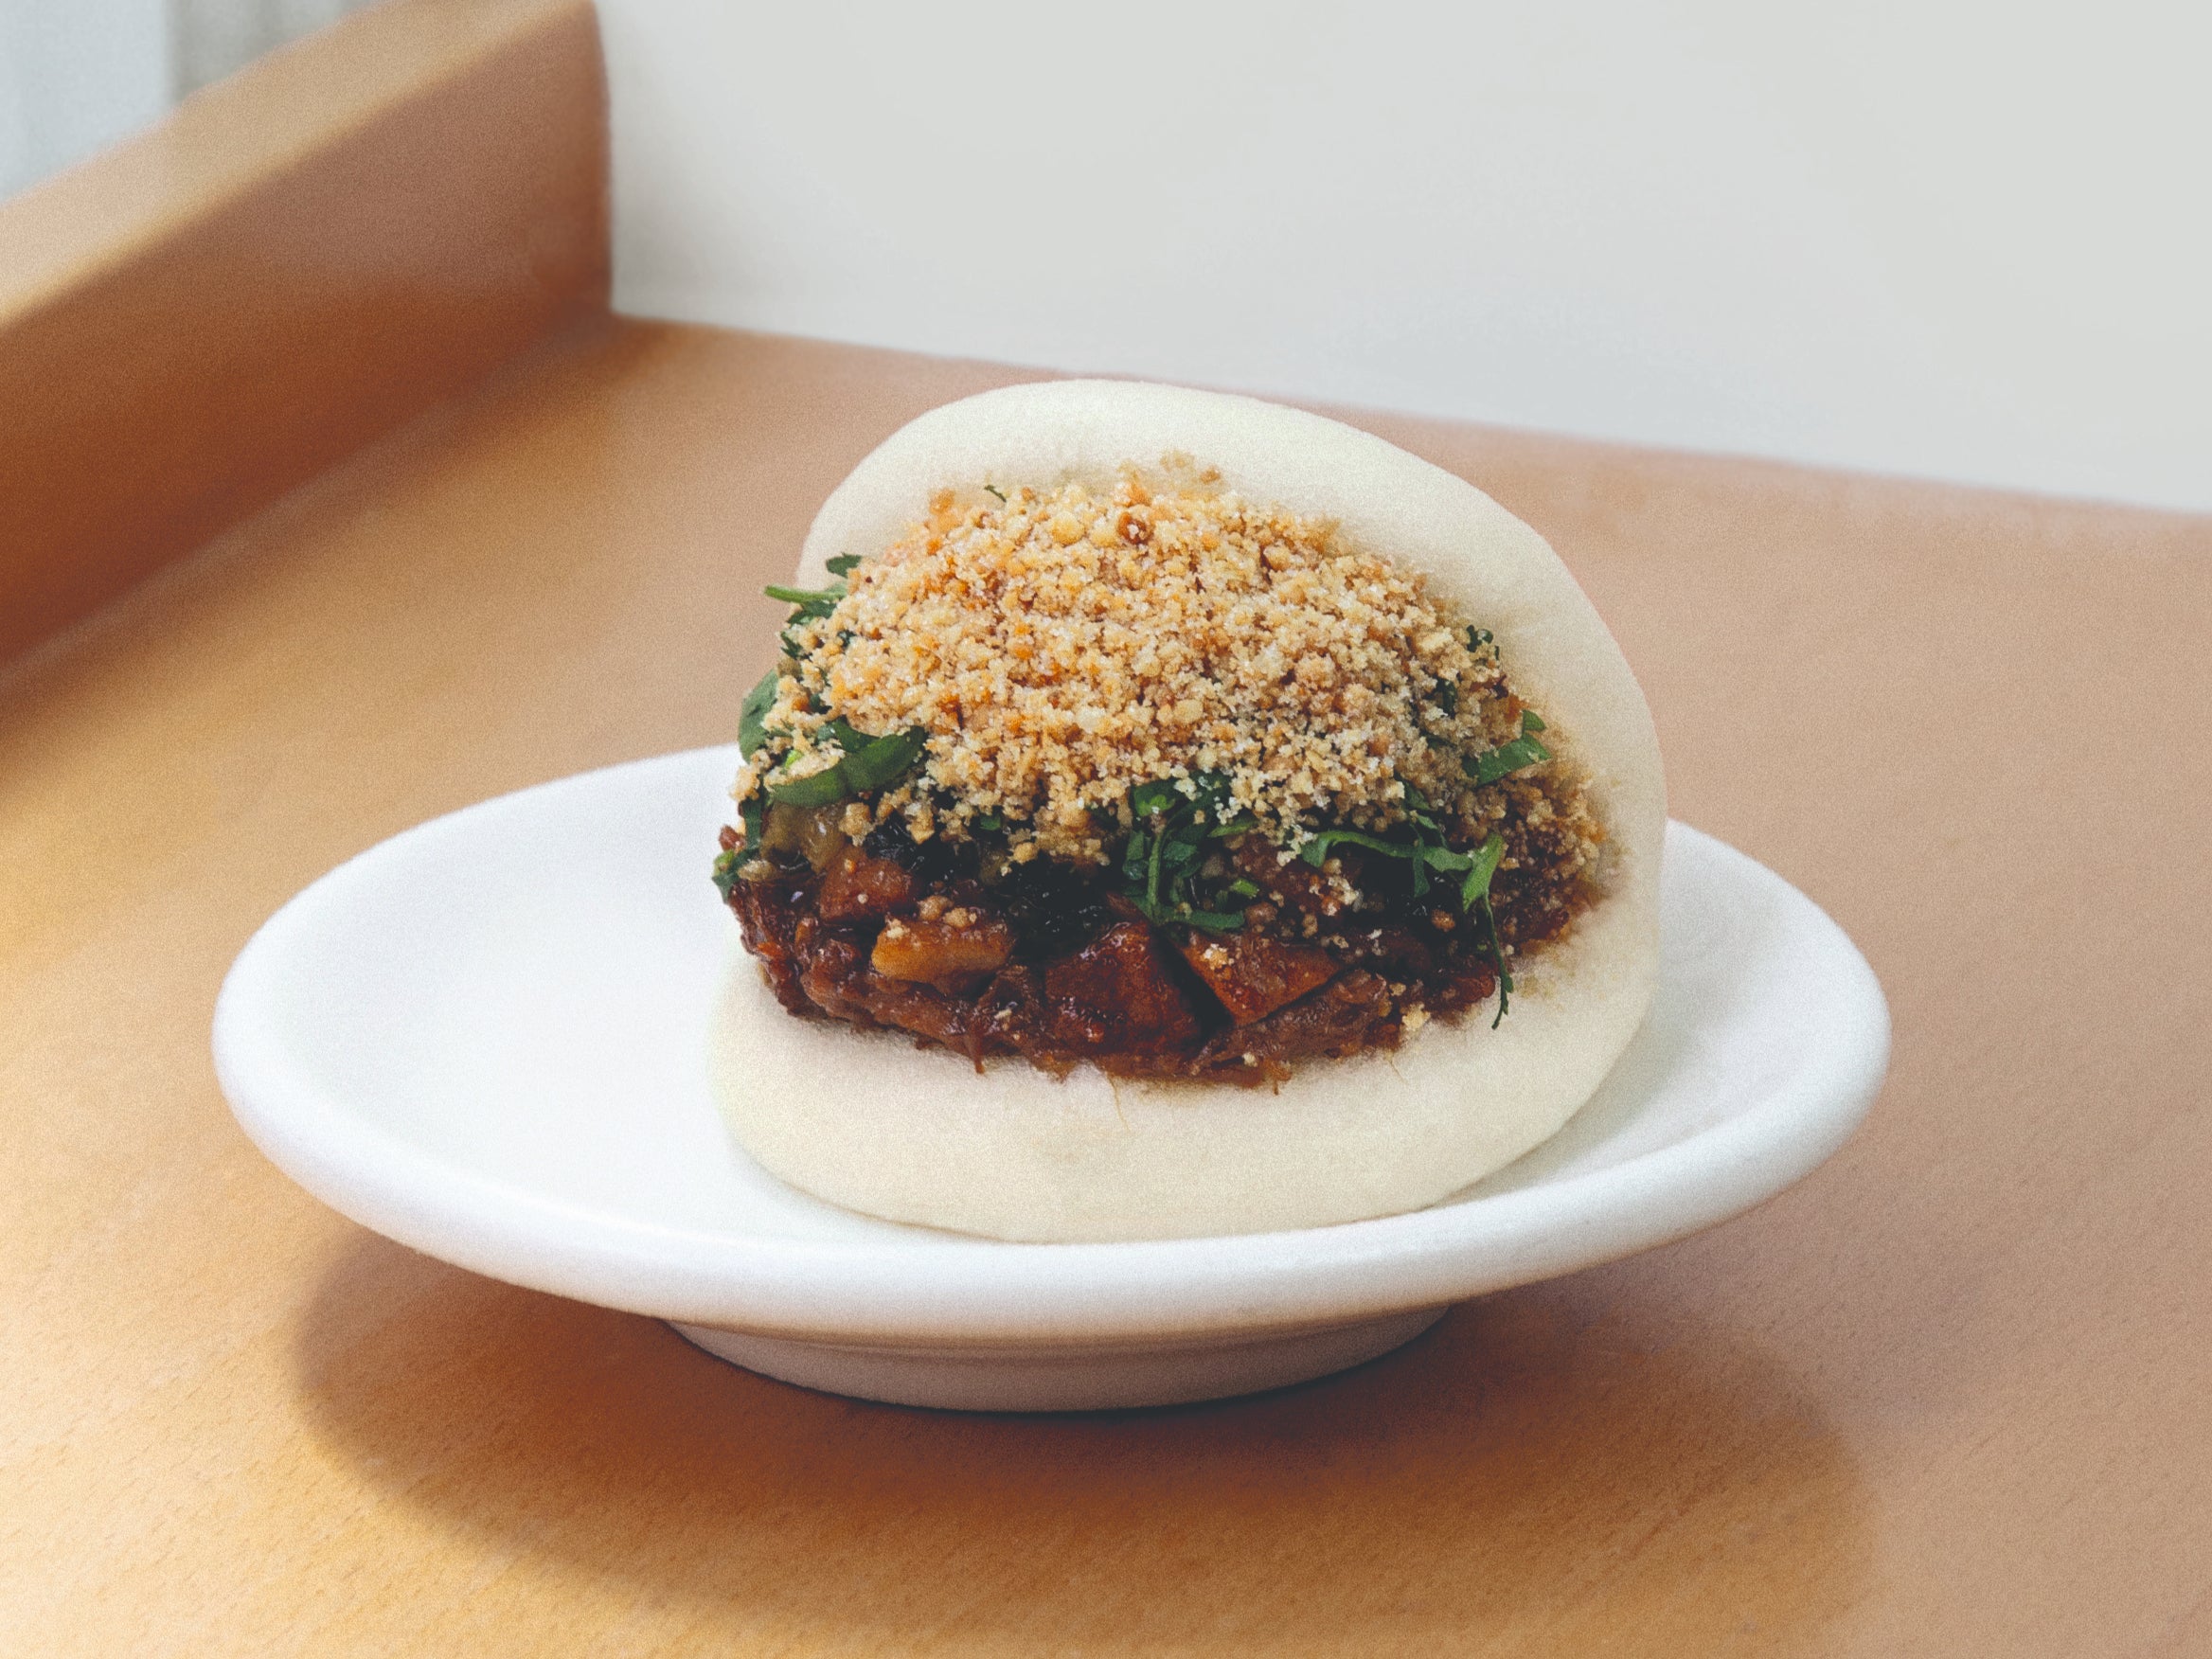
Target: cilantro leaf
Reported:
[(1161, 865), (817, 789), (1476, 889), (1157, 797), (753, 716), (1475, 893), (868, 763), (1318, 849), (725, 872), (811, 603), (1211, 920), (1506, 759), (1135, 856), (884, 759)]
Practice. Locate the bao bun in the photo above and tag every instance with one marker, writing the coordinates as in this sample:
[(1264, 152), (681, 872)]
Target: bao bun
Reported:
[(868, 1121)]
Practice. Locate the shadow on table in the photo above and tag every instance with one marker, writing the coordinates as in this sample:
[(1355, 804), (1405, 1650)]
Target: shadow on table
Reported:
[(1545, 1470)]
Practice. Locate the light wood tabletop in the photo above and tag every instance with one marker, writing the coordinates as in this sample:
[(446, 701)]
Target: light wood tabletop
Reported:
[(1948, 1396)]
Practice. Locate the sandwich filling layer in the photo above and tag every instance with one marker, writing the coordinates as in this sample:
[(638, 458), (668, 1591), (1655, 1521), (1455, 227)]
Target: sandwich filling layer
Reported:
[(1146, 777)]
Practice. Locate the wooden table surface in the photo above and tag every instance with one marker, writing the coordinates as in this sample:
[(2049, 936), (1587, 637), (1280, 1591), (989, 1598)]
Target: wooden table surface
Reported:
[(1948, 1396)]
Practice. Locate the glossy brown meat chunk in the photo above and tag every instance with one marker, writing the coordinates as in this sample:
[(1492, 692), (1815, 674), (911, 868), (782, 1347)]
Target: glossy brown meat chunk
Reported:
[(768, 916), (1116, 995), (1352, 1012), (943, 953), (1253, 974), (856, 887), (839, 982)]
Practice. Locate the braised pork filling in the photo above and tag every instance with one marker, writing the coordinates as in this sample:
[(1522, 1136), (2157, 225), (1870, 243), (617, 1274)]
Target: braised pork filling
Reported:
[(1150, 779)]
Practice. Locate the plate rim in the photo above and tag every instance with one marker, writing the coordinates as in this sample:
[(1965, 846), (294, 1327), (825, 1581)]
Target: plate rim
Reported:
[(1019, 1294)]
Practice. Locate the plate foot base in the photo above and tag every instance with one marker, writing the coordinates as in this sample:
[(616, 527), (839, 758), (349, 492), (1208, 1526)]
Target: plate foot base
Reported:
[(1063, 1379)]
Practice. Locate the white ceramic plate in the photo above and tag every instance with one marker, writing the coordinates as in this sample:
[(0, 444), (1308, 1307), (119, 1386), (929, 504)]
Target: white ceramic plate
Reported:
[(485, 1039)]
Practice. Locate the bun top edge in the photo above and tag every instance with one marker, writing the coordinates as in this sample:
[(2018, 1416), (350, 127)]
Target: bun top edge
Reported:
[(1049, 432)]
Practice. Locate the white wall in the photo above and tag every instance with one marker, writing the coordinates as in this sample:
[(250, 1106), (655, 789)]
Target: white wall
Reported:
[(1969, 240), (74, 77)]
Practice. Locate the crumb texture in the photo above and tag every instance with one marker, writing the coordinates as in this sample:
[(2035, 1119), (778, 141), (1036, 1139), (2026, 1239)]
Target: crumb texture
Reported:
[(1062, 646)]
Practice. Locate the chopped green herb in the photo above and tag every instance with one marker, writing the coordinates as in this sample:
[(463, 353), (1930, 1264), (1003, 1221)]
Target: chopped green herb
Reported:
[(1137, 856), (996, 491), (753, 716), (1210, 921), (817, 789), (811, 603), (1156, 797), (1480, 869), (1530, 722), (1474, 893), (1507, 759), (814, 603), (868, 763), (1175, 817), (1317, 849), (1426, 854), (1447, 696), (884, 759), (1419, 810), (725, 871)]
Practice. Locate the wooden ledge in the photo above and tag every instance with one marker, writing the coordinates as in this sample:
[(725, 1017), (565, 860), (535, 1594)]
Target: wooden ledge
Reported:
[(299, 260)]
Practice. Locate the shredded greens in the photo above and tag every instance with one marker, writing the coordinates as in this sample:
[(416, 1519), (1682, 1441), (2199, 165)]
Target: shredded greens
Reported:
[(1507, 759), (753, 717), (1421, 846), (1162, 866), (866, 762)]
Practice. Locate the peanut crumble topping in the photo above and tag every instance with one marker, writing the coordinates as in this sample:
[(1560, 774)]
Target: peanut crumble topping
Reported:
[(1058, 649)]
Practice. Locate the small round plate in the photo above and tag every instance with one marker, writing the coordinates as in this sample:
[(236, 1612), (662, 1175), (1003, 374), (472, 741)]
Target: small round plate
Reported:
[(487, 1038)]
